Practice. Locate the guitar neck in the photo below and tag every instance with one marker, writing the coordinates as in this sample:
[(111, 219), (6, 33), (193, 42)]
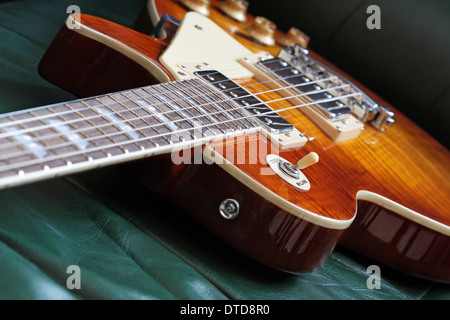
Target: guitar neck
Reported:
[(64, 138)]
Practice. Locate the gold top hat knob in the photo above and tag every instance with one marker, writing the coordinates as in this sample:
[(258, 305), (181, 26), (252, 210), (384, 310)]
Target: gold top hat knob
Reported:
[(294, 36), (200, 6), (235, 9), (263, 30)]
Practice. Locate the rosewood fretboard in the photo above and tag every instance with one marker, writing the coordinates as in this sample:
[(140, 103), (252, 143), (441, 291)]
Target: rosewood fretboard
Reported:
[(70, 137)]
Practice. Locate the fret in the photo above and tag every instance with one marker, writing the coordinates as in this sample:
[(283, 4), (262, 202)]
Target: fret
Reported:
[(109, 136), (271, 120), (19, 143), (23, 134), (173, 112), (12, 150), (136, 119), (6, 173), (212, 106), (194, 100), (160, 106), (116, 118), (132, 124), (150, 103), (335, 110), (139, 118), (159, 123), (174, 94), (82, 127), (187, 108), (53, 134), (57, 137)]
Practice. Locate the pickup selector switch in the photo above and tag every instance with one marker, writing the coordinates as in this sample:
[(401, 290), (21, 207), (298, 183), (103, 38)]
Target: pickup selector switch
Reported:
[(290, 173)]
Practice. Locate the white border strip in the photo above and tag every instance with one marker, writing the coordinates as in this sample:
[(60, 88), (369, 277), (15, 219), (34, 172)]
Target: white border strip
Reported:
[(314, 217), (403, 211), (146, 63), (272, 196)]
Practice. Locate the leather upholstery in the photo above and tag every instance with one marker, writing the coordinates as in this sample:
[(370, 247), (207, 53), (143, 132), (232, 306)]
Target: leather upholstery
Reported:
[(129, 243)]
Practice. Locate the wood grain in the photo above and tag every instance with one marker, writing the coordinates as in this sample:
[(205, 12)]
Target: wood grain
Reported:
[(404, 164), (86, 67)]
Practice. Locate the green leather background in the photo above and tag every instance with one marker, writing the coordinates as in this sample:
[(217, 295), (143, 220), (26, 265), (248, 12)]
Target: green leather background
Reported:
[(128, 242)]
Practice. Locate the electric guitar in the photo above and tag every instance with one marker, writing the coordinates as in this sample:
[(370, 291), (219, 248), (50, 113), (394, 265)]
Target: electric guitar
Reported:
[(231, 130)]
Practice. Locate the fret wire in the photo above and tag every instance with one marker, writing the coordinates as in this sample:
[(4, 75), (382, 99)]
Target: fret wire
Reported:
[(14, 145), (51, 129), (180, 109), (94, 126), (287, 87), (48, 145), (174, 126), (204, 106), (250, 116), (161, 111), (164, 125), (77, 129), (177, 93), (220, 129), (66, 121), (142, 118), (137, 129), (114, 125), (31, 153), (197, 104), (124, 124), (213, 104), (232, 109), (192, 123), (180, 122)]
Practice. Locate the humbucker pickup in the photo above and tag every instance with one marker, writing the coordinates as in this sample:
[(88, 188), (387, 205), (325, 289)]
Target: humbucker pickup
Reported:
[(363, 107), (274, 126), (334, 103), (340, 107), (269, 119), (333, 109), (278, 130)]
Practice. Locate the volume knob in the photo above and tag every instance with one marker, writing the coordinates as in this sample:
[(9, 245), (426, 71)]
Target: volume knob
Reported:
[(200, 6), (235, 9), (294, 36), (263, 30)]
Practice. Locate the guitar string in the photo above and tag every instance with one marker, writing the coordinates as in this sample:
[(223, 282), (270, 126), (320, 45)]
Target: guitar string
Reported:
[(52, 147), (53, 115), (202, 85), (91, 107), (152, 116), (102, 148)]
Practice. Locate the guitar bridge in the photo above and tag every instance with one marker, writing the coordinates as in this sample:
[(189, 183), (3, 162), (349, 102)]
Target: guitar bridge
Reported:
[(334, 103), (361, 105)]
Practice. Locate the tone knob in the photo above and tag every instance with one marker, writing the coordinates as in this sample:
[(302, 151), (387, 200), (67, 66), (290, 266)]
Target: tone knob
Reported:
[(263, 30), (200, 6), (294, 36), (235, 9)]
